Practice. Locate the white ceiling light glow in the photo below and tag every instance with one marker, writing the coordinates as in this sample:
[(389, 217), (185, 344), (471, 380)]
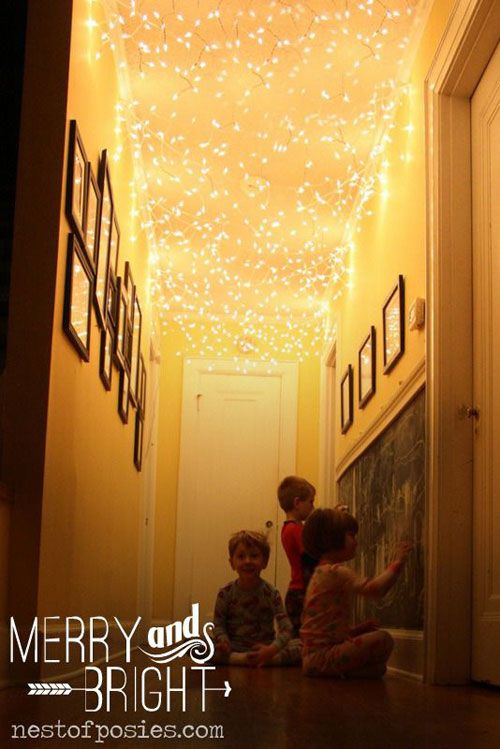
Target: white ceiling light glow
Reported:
[(261, 128)]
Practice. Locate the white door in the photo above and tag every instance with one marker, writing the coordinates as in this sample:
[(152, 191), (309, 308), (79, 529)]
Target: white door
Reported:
[(485, 114), (237, 443)]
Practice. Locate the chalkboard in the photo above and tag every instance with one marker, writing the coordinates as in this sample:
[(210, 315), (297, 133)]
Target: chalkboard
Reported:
[(385, 490)]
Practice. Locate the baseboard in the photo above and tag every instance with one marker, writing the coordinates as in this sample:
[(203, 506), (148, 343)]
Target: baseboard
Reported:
[(405, 674), (407, 658)]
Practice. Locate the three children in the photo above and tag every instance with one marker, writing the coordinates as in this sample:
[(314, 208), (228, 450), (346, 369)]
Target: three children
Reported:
[(247, 610)]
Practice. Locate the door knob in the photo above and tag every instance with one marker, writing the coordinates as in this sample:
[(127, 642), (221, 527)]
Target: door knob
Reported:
[(269, 524), (468, 412)]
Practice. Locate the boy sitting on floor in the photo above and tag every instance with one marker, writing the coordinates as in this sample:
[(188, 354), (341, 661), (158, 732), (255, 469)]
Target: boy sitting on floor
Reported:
[(246, 609)]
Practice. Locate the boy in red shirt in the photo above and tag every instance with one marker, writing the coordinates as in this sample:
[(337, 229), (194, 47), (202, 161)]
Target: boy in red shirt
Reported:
[(296, 498)]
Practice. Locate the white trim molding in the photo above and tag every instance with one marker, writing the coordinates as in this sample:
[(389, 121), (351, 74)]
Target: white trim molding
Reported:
[(327, 420), (407, 658), (467, 44)]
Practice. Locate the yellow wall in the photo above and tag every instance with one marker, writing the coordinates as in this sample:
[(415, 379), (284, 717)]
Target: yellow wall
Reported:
[(168, 458), (392, 241), (92, 491)]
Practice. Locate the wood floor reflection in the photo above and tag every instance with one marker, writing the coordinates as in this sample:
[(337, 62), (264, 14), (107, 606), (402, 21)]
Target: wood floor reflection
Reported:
[(268, 708)]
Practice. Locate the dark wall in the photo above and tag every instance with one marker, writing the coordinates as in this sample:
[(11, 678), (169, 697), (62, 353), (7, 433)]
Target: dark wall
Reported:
[(13, 21), (385, 489)]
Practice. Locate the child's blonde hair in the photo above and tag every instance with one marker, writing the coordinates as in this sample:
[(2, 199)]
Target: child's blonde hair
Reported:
[(249, 539), (292, 487), (325, 530)]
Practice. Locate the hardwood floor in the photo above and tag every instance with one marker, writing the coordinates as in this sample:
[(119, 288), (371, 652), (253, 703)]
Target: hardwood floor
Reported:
[(268, 708)]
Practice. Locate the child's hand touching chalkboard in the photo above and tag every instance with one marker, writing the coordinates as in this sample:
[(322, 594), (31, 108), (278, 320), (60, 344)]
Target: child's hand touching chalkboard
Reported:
[(402, 550)]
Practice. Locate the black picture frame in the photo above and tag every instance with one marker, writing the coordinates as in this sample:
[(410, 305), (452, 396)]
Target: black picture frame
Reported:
[(367, 358), (114, 244), (124, 395), (141, 387), (121, 328), (130, 290), (76, 182), (112, 302), (105, 223), (106, 358), (78, 293), (393, 318), (128, 280), (136, 349), (138, 440), (92, 218), (346, 400)]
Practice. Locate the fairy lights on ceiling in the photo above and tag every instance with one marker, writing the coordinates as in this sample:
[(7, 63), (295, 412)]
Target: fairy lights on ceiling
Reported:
[(261, 128)]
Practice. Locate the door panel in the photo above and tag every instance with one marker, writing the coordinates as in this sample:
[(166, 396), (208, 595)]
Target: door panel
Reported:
[(237, 474), (234, 451), (485, 130)]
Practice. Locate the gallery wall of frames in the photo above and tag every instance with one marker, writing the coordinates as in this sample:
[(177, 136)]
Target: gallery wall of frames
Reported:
[(393, 346), (93, 280)]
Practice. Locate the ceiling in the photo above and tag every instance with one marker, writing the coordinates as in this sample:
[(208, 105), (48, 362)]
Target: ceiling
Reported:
[(260, 128)]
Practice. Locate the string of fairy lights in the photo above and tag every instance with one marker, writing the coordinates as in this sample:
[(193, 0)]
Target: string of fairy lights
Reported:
[(261, 128)]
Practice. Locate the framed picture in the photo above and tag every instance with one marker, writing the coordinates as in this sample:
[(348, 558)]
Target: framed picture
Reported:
[(112, 301), (130, 289), (138, 440), (346, 400), (121, 328), (105, 222), (123, 395), (92, 218), (141, 387), (77, 182), (393, 315), (78, 297), (106, 358), (136, 349), (114, 244), (367, 368)]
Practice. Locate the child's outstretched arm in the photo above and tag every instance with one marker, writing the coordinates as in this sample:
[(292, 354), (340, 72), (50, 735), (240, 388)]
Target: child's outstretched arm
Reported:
[(222, 642), (378, 586)]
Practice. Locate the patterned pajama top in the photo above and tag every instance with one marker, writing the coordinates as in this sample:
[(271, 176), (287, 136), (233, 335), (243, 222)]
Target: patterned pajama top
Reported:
[(246, 617)]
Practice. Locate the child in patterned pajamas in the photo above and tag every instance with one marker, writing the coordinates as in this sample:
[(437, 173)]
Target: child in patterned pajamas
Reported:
[(331, 647), (246, 609)]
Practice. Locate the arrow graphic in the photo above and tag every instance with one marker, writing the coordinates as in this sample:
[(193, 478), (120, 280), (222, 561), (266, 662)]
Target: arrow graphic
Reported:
[(226, 689), (52, 688)]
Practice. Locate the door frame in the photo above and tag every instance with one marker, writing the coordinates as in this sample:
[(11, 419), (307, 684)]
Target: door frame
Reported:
[(186, 495), (465, 49), (145, 573), (327, 489)]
